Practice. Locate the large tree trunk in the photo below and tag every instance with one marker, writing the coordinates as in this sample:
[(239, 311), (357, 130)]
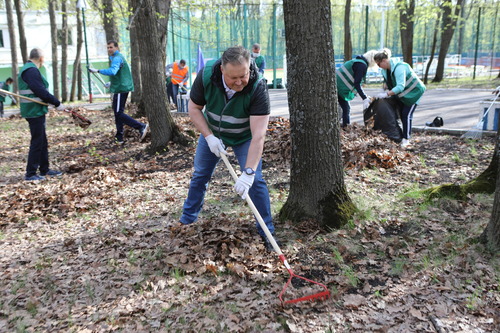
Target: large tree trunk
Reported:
[(64, 52), (317, 189), (163, 128), (75, 80), (450, 17), (13, 45), (53, 37), (491, 235), (136, 61), (22, 34), (406, 24), (347, 31)]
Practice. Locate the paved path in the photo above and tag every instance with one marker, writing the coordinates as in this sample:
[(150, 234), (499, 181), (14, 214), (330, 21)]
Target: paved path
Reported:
[(459, 108)]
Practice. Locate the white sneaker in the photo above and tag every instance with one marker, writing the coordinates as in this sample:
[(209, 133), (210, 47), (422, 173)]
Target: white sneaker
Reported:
[(405, 143)]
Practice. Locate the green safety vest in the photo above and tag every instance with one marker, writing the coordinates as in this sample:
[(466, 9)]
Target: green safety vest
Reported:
[(4, 86), (30, 109), (122, 81), (414, 88), (345, 80), (259, 60), (228, 120)]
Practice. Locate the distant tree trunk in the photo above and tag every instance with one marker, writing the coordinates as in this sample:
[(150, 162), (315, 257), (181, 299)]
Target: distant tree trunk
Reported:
[(406, 28), (347, 31), (135, 65), (109, 21), (76, 78), (317, 189), (53, 37), (163, 127), (433, 47), (461, 26), (20, 27), (13, 45), (450, 18), (64, 52)]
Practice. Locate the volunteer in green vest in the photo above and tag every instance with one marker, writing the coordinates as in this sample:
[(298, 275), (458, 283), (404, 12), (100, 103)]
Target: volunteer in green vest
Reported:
[(32, 84), (350, 76), (4, 85), (402, 83), (121, 85), (229, 105), (259, 59)]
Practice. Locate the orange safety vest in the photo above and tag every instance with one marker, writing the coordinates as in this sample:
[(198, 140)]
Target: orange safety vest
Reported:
[(179, 74)]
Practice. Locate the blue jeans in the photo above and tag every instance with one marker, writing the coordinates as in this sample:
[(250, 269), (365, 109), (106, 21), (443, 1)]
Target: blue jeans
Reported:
[(38, 156), (121, 118), (204, 165)]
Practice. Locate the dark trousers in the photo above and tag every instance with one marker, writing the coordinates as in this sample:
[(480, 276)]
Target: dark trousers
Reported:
[(170, 93), (346, 111), (406, 115), (38, 156), (1, 109), (121, 118)]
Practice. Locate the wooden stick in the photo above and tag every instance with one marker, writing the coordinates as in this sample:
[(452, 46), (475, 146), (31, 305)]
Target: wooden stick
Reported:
[(23, 97)]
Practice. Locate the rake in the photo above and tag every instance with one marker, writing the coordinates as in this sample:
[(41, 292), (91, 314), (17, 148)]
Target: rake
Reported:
[(323, 295), (79, 119), (477, 131)]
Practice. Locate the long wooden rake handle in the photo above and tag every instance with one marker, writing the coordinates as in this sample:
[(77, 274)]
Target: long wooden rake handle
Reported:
[(23, 97), (256, 212)]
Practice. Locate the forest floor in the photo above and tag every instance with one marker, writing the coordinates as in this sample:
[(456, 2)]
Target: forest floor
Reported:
[(97, 250)]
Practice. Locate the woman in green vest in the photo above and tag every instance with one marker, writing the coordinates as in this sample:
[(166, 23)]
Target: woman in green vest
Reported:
[(402, 83)]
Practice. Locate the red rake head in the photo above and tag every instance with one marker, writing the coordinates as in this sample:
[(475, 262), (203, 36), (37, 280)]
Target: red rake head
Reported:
[(321, 296)]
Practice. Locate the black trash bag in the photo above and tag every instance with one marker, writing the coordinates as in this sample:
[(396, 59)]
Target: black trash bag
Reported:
[(437, 122), (385, 114)]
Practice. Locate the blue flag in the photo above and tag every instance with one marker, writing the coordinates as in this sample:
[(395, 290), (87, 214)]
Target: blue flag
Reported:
[(201, 60)]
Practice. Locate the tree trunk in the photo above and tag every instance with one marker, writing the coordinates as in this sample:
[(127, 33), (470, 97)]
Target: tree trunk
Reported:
[(163, 128), (450, 18), (109, 21), (53, 37), (433, 48), (22, 35), (136, 62), (64, 52), (13, 45), (317, 189), (347, 31), (406, 28), (491, 235), (75, 80)]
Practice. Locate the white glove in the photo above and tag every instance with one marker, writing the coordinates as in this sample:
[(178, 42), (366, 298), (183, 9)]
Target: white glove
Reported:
[(382, 95), (107, 85), (366, 102), (215, 145), (243, 184), (61, 107), (93, 70)]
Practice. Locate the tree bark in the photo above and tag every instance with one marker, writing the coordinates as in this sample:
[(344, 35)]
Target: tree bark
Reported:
[(491, 235), (64, 52), (317, 189), (347, 31), (108, 21), (163, 127), (76, 79), (53, 37), (450, 17), (406, 28), (13, 45), (22, 35), (433, 47), (135, 62)]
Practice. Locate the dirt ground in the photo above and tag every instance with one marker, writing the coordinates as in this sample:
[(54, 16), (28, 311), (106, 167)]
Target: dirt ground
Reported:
[(97, 250)]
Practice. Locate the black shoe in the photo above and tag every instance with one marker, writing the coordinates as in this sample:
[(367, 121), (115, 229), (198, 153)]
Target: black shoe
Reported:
[(267, 243), (52, 173)]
